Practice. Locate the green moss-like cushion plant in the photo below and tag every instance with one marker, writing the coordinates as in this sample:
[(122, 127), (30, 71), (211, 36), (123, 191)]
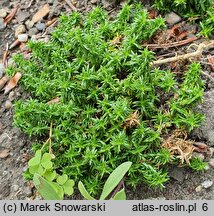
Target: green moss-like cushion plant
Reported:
[(110, 106)]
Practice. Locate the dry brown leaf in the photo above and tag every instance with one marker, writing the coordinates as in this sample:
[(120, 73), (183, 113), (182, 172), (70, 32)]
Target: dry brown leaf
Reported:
[(3, 81), (42, 12), (55, 100), (133, 120), (12, 83), (4, 153), (10, 16), (211, 61), (153, 14)]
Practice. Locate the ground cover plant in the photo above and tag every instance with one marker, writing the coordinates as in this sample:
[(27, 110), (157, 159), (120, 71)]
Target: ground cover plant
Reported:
[(199, 10), (92, 85)]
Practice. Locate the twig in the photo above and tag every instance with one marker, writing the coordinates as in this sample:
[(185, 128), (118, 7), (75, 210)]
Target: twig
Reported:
[(168, 45), (71, 5), (197, 53), (119, 186)]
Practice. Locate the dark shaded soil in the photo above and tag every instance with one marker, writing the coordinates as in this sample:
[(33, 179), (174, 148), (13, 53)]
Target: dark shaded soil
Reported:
[(184, 184)]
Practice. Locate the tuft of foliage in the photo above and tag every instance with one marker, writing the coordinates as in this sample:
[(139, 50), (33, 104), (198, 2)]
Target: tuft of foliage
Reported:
[(202, 9), (110, 98), (197, 164)]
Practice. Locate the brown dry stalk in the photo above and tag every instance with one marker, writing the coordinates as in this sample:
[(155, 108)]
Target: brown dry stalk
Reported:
[(170, 45)]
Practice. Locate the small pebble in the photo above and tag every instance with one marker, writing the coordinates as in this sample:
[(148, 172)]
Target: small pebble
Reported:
[(33, 31), (28, 191), (3, 13), (29, 24), (172, 18), (94, 1), (211, 162), (8, 104), (198, 188), (22, 37), (207, 184), (15, 187), (2, 70), (40, 26), (19, 30), (11, 96)]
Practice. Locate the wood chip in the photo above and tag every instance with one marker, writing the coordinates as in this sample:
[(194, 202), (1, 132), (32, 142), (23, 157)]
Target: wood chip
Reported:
[(14, 44), (3, 81), (12, 83), (4, 153), (41, 13)]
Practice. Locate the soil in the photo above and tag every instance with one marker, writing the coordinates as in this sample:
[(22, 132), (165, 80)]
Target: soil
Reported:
[(15, 147)]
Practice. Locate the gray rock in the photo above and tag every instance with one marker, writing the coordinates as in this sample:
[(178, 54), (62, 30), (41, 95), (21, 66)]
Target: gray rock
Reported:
[(40, 26), (19, 30), (22, 37), (207, 184), (94, 1), (10, 62), (2, 70), (11, 96), (22, 16), (2, 27), (177, 173), (3, 13), (211, 162), (172, 18), (4, 189), (28, 191), (15, 188), (33, 31), (8, 104)]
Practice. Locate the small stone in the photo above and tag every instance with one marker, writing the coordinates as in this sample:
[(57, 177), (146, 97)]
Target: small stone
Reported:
[(40, 26), (19, 30), (8, 104), (28, 191), (11, 96), (29, 24), (22, 37), (172, 18), (177, 173), (15, 188), (207, 184), (3, 13), (22, 16), (210, 85), (2, 26), (94, 1), (211, 152), (2, 70), (198, 189), (206, 167), (33, 31), (211, 162)]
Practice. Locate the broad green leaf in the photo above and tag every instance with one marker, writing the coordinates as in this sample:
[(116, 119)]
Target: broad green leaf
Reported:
[(62, 179), (68, 187), (47, 165), (50, 175), (120, 195), (58, 189), (40, 170), (33, 169), (36, 159), (114, 179), (45, 188), (46, 157), (84, 192)]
